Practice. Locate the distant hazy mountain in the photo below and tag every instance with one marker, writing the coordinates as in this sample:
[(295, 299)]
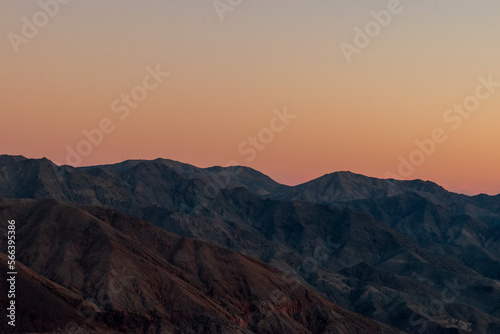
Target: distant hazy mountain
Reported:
[(97, 269), (393, 248)]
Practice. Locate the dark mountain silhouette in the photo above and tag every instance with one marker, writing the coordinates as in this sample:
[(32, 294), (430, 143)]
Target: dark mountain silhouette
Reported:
[(95, 269), (446, 223), (221, 177), (348, 186), (386, 249)]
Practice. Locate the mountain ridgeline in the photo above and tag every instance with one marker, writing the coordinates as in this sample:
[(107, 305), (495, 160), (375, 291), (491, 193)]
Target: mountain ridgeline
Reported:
[(407, 254)]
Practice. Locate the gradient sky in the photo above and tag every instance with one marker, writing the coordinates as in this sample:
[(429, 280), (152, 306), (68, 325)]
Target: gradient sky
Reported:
[(226, 77)]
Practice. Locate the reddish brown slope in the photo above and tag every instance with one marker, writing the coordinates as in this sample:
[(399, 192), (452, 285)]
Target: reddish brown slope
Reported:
[(142, 278), (41, 305)]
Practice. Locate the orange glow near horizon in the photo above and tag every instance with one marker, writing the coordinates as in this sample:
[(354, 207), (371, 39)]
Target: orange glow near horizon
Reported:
[(227, 77)]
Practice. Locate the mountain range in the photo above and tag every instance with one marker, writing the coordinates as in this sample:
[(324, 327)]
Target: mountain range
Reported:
[(202, 249)]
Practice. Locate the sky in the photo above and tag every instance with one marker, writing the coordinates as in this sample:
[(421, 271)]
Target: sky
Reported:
[(295, 89)]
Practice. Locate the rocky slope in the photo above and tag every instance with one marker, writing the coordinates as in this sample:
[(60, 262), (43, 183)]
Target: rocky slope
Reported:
[(386, 249), (93, 269)]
